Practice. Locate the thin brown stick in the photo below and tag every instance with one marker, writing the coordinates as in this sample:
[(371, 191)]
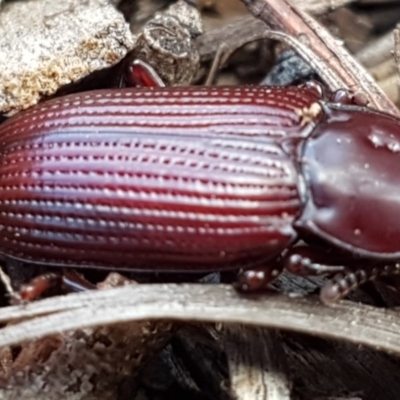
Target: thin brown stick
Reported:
[(396, 54), (319, 7), (344, 70)]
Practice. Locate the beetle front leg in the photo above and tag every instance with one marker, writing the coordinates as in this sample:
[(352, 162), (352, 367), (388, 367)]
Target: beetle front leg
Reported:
[(344, 283), (306, 261), (340, 96), (346, 96), (312, 261)]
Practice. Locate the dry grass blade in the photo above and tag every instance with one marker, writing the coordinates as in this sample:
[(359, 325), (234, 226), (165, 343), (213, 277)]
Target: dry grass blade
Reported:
[(347, 321), (396, 52)]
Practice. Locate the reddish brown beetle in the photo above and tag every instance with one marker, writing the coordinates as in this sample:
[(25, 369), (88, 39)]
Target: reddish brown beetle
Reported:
[(200, 179)]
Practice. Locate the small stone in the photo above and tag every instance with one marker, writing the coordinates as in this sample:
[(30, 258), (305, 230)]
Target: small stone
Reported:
[(46, 44)]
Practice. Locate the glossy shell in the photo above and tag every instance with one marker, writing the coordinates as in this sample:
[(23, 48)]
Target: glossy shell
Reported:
[(153, 179), (351, 165)]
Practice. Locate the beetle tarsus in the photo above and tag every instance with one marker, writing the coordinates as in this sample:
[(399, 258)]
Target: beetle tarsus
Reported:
[(257, 279), (344, 283)]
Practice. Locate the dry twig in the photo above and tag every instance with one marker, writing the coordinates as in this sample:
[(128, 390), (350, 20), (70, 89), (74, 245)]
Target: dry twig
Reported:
[(340, 70), (355, 323)]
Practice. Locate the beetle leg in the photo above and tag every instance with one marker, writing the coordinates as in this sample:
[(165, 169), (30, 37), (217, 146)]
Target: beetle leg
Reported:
[(341, 96), (305, 261), (257, 278), (344, 283), (140, 74), (68, 281), (39, 285), (72, 281), (346, 96), (315, 86)]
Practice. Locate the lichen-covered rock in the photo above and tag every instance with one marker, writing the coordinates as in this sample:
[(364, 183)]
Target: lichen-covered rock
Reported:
[(167, 43), (45, 44)]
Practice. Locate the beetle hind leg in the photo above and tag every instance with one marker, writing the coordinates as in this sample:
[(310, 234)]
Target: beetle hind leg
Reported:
[(140, 74), (67, 281)]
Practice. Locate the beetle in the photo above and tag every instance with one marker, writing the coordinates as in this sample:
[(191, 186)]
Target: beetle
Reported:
[(201, 179)]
